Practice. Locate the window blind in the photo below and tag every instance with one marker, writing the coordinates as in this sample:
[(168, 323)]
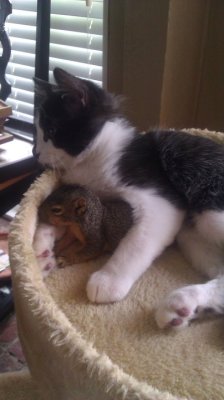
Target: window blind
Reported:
[(76, 38), (76, 44), (21, 29)]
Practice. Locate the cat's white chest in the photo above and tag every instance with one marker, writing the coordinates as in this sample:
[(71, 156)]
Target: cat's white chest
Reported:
[(99, 178), (97, 167)]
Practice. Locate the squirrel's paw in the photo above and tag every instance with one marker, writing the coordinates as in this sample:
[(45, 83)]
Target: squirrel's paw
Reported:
[(61, 262), (106, 287)]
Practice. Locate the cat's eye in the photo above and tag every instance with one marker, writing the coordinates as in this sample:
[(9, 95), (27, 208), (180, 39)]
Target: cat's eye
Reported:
[(51, 132), (57, 210)]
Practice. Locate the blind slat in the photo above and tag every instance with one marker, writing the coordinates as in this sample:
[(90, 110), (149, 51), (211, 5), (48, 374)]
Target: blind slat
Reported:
[(20, 106), (22, 116), (25, 5), (24, 96), (77, 39), (22, 18), (78, 69), (77, 24), (21, 31), (23, 58), (20, 70), (20, 83), (76, 8), (73, 54), (23, 45)]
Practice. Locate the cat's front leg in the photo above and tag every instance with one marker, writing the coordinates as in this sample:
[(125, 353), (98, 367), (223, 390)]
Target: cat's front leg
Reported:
[(154, 229), (183, 305), (43, 244)]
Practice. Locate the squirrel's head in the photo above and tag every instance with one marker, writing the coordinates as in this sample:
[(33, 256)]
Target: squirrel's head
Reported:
[(68, 204)]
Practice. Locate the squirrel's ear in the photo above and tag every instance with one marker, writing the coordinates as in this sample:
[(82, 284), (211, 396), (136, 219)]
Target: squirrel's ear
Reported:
[(79, 206)]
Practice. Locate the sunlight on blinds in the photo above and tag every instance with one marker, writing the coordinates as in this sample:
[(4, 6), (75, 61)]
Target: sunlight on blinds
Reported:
[(21, 28), (76, 38), (76, 44)]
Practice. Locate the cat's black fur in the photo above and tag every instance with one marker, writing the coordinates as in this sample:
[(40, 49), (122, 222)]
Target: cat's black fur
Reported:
[(186, 169)]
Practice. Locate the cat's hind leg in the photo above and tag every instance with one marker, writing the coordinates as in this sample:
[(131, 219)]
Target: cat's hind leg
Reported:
[(202, 244), (183, 305)]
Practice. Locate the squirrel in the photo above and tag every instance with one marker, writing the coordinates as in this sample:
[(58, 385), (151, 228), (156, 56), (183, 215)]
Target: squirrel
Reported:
[(90, 226)]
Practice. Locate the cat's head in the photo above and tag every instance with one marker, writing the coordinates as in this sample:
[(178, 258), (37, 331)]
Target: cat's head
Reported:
[(71, 114)]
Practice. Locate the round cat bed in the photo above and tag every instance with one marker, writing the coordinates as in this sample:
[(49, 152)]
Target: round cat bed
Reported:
[(78, 350)]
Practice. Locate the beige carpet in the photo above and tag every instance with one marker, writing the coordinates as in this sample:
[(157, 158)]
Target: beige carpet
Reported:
[(77, 350)]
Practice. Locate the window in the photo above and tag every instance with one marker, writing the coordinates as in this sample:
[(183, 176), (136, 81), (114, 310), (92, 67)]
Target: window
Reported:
[(45, 34)]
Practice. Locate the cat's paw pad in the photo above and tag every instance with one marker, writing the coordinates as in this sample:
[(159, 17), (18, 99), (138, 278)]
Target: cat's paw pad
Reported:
[(45, 253), (48, 268), (46, 264), (105, 287), (179, 308)]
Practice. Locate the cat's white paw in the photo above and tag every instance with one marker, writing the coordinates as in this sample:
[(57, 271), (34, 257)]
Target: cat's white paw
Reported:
[(44, 239), (179, 308), (106, 287)]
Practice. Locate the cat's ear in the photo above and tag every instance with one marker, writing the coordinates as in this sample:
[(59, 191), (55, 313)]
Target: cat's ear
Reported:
[(72, 84), (42, 88)]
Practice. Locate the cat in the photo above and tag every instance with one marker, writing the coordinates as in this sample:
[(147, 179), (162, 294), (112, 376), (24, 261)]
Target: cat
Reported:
[(173, 181)]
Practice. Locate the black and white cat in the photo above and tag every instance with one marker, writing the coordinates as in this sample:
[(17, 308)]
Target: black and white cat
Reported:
[(174, 182)]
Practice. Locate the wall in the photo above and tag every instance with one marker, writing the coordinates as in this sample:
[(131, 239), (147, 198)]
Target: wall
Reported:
[(167, 58), (136, 52)]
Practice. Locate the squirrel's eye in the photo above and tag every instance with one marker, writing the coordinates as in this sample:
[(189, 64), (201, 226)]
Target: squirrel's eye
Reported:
[(57, 210)]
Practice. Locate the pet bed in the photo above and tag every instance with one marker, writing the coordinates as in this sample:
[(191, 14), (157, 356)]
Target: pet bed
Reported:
[(80, 351)]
